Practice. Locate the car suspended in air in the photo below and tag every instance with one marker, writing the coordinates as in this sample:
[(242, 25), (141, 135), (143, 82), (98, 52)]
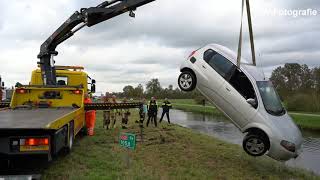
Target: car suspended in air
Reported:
[(246, 97)]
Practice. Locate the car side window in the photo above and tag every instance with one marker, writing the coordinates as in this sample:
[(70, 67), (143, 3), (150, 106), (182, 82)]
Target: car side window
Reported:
[(208, 54), (242, 84), (220, 64)]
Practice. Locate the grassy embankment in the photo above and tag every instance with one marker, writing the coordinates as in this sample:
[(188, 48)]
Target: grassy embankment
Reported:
[(304, 119), (168, 152)]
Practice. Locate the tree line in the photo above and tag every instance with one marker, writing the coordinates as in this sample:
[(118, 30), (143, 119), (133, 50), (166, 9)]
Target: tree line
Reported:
[(298, 86), (154, 89)]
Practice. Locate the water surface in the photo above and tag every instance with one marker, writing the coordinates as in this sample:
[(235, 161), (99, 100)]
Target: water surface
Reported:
[(223, 129)]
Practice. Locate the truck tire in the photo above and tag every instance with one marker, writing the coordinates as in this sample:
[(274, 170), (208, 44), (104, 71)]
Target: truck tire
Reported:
[(70, 138)]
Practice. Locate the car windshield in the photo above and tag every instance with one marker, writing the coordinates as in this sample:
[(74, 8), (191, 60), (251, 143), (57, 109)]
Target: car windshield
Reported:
[(270, 98)]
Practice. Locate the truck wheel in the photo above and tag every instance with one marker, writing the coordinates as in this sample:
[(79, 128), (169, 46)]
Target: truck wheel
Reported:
[(187, 81), (255, 145), (71, 137)]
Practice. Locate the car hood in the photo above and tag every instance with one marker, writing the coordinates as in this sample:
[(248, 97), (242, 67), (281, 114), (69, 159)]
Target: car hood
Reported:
[(286, 128)]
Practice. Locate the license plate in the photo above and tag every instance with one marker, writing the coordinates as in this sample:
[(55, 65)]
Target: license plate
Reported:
[(33, 148)]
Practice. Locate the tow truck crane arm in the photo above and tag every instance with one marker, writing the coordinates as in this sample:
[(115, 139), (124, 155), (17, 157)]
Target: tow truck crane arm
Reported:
[(85, 17)]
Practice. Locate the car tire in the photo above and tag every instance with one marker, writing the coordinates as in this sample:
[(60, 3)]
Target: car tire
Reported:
[(187, 81), (255, 145)]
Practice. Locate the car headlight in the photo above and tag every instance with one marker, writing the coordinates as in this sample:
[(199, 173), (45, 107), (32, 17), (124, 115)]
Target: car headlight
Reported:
[(288, 145)]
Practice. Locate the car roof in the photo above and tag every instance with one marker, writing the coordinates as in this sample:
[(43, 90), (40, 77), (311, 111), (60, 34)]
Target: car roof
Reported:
[(254, 71)]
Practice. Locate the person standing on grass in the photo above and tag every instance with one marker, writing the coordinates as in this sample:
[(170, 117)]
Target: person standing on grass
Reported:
[(106, 114), (166, 106), (125, 115), (152, 111), (143, 112), (90, 116), (113, 113)]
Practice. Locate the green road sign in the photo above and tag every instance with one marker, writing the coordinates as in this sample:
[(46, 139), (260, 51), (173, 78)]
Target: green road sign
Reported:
[(128, 140)]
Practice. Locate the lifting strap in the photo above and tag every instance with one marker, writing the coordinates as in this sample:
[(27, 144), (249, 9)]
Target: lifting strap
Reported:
[(250, 33)]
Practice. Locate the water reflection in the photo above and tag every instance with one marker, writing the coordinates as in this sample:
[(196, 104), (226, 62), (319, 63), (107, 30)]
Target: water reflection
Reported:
[(221, 128)]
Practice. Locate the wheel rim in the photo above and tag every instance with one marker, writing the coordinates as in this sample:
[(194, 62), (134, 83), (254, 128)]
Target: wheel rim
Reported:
[(255, 146), (185, 81)]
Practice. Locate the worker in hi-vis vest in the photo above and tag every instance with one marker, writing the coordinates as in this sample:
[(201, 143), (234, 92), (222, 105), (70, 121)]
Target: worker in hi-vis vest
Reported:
[(166, 106), (90, 116)]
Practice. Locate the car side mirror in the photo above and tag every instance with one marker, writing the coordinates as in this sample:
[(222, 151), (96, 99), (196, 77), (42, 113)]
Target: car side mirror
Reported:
[(93, 81), (252, 102)]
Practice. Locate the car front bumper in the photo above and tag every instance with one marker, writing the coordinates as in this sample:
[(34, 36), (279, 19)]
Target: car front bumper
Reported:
[(279, 153)]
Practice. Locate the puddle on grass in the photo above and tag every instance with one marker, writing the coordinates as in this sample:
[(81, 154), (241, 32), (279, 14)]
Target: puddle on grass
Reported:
[(223, 129)]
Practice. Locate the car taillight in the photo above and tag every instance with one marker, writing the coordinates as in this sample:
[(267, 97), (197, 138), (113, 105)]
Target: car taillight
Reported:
[(34, 141), (21, 91), (77, 92), (193, 52)]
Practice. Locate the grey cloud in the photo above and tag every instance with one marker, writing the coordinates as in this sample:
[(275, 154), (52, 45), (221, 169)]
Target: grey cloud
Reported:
[(301, 4), (169, 63), (103, 68), (278, 39)]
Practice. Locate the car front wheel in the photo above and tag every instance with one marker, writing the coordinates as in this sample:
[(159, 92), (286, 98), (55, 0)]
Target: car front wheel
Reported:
[(255, 145), (187, 81)]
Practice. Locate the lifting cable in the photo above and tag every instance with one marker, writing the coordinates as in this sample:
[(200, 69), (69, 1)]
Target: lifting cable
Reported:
[(250, 34)]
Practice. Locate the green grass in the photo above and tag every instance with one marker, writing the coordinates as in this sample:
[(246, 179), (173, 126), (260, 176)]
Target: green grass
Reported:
[(191, 106), (168, 152), (305, 112), (183, 101), (307, 122), (304, 121)]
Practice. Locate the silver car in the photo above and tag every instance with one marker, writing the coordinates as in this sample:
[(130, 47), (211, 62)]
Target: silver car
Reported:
[(246, 97)]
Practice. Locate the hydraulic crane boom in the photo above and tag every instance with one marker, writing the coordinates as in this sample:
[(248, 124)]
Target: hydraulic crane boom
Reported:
[(86, 17)]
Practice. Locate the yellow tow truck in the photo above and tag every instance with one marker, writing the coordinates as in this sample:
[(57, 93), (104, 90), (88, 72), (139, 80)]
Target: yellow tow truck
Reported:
[(45, 116), (44, 120)]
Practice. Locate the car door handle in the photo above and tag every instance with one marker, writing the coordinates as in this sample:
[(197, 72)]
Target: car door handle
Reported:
[(228, 89), (204, 66)]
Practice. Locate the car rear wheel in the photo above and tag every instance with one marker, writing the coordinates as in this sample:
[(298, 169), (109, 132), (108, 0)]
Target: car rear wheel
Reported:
[(255, 145), (187, 81)]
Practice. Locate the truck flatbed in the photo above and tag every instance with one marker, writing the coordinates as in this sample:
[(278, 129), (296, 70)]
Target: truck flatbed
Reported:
[(31, 118)]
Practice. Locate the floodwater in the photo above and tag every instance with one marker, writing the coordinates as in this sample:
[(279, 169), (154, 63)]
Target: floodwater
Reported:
[(223, 129)]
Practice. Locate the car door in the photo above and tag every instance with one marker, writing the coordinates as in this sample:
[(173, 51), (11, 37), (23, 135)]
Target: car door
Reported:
[(235, 92), (202, 76), (215, 81)]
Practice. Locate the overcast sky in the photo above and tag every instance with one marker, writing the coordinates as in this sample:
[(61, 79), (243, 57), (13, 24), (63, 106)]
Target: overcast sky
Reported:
[(125, 51)]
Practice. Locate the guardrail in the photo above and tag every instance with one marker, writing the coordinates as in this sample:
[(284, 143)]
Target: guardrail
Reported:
[(110, 106)]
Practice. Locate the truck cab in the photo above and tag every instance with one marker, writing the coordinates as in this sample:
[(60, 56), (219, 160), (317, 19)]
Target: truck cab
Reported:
[(66, 76)]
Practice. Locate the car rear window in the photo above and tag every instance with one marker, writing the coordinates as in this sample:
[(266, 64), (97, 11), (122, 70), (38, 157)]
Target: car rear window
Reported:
[(62, 80)]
